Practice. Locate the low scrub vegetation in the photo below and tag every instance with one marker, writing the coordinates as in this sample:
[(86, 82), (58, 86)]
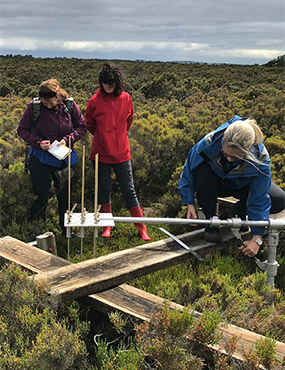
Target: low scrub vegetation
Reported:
[(175, 104)]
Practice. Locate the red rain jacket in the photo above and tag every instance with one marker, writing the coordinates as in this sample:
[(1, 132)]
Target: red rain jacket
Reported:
[(109, 118)]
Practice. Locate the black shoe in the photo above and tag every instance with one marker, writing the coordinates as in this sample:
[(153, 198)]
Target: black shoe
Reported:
[(212, 234)]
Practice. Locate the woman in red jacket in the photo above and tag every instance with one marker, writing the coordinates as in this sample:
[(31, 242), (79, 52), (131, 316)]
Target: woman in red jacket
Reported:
[(109, 115)]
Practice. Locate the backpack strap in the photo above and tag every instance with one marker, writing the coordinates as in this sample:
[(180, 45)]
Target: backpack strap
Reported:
[(69, 103), (36, 108)]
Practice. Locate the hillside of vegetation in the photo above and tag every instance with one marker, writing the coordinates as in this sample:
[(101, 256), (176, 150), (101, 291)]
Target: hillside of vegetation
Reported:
[(175, 104)]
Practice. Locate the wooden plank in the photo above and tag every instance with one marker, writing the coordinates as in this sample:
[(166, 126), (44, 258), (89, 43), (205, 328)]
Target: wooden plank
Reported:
[(125, 298), (147, 303), (29, 257), (227, 201), (95, 275)]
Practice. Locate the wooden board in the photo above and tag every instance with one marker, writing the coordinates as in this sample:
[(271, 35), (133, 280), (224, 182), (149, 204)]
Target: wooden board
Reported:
[(29, 257), (143, 304), (125, 298), (98, 274)]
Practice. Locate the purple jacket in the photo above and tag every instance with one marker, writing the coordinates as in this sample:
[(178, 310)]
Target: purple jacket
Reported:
[(51, 125)]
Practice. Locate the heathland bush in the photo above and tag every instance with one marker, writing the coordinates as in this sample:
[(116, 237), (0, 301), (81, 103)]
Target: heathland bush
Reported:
[(31, 335)]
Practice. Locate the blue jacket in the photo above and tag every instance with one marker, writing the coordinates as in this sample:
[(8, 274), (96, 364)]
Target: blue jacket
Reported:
[(256, 175)]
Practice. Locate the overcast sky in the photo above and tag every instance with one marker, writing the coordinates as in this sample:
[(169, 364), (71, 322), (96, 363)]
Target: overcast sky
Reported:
[(212, 31)]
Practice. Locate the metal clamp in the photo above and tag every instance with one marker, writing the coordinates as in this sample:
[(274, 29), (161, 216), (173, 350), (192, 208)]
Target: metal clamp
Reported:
[(215, 221)]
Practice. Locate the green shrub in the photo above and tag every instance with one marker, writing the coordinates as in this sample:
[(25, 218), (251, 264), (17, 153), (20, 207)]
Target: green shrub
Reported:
[(169, 336), (264, 355), (125, 357), (31, 336)]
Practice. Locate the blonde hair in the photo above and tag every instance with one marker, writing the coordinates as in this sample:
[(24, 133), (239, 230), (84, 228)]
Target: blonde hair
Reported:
[(53, 86), (242, 135)]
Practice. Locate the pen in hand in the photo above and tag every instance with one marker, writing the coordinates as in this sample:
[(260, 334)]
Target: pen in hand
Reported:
[(44, 144)]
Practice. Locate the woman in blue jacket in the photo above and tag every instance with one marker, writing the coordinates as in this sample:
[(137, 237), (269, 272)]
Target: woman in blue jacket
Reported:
[(232, 161)]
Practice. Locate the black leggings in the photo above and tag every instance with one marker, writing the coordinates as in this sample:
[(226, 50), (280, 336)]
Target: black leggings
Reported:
[(42, 176), (124, 176), (209, 186)]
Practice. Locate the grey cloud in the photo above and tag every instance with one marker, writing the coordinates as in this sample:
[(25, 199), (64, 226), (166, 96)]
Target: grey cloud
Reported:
[(222, 24)]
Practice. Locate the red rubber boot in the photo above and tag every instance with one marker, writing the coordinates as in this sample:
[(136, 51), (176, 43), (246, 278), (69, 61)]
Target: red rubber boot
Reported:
[(106, 208), (142, 231)]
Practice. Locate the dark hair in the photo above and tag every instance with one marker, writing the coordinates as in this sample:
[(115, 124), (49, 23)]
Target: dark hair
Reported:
[(110, 74)]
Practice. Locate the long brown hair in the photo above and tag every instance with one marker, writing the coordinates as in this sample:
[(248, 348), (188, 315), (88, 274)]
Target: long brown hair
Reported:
[(51, 88)]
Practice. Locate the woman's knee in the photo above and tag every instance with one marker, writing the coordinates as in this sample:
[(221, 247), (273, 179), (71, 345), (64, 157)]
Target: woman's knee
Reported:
[(206, 182), (277, 196), (130, 197)]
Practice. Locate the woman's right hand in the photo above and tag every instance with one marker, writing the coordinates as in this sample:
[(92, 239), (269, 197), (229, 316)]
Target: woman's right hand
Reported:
[(45, 144), (191, 212)]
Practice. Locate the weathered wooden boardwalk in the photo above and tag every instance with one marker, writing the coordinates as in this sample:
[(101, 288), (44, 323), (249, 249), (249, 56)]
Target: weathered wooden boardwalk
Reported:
[(126, 298), (98, 274)]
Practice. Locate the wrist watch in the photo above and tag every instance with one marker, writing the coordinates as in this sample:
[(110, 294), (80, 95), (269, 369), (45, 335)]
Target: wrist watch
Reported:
[(257, 241)]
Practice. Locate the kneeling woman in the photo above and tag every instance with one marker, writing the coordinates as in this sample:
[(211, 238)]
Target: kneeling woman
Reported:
[(232, 161)]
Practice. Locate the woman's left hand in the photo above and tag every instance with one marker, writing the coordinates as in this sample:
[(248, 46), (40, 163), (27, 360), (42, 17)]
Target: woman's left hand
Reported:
[(62, 142), (251, 249)]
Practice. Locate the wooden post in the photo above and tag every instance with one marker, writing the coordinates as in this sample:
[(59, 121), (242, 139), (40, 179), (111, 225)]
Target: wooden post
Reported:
[(47, 242)]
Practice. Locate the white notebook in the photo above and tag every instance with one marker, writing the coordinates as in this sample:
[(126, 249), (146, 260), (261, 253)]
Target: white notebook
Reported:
[(60, 152)]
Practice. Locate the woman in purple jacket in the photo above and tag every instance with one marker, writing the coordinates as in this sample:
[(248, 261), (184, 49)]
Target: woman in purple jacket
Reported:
[(54, 122)]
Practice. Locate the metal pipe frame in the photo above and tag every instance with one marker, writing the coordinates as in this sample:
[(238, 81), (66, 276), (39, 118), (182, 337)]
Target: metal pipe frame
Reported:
[(270, 265), (214, 222)]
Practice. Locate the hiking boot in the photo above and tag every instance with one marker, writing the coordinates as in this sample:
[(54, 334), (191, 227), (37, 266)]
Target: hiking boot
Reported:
[(212, 234)]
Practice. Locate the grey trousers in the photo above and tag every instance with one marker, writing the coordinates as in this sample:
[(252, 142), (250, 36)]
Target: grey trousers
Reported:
[(124, 176)]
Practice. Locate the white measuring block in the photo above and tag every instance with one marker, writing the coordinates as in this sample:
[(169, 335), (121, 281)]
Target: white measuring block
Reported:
[(105, 219)]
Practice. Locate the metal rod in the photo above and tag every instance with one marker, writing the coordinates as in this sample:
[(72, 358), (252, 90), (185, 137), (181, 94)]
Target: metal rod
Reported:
[(69, 175), (96, 188), (82, 190), (215, 222), (68, 249), (180, 242), (81, 236), (95, 236), (69, 195), (81, 249), (272, 264), (81, 232)]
